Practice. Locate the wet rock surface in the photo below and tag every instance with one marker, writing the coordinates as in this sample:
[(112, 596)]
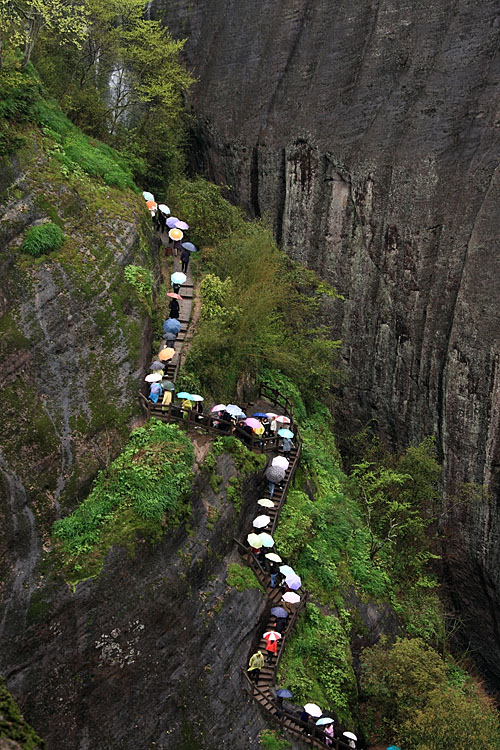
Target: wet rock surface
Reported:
[(150, 653), (368, 134)]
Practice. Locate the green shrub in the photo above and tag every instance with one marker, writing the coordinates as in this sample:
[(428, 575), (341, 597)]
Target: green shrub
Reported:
[(270, 739), (241, 577), (13, 726), (142, 282), (42, 239), (152, 476)]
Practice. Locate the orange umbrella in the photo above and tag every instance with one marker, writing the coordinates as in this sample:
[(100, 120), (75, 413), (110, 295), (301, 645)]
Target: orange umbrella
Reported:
[(166, 354), (175, 234), (151, 205)]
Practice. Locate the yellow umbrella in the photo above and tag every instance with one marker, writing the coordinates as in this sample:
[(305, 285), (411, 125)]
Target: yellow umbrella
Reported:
[(259, 430), (175, 234), (166, 354), (254, 541)]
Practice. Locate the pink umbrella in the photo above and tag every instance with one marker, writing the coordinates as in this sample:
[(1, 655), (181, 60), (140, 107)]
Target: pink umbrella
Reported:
[(253, 423), (181, 225), (218, 407), (291, 597)]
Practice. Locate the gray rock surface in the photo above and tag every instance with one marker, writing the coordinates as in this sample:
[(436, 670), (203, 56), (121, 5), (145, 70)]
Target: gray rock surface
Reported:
[(368, 133)]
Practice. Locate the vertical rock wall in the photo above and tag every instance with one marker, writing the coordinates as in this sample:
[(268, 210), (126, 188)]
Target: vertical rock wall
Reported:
[(368, 133)]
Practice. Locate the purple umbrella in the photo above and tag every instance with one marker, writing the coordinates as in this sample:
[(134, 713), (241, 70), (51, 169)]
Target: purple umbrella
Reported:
[(181, 225), (293, 582), (279, 612), (172, 221)]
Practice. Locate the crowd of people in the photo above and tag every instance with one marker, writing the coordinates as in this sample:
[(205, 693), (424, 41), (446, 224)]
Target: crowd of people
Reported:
[(255, 429)]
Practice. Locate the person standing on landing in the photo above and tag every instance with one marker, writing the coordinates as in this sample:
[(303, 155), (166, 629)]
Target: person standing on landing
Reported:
[(185, 255)]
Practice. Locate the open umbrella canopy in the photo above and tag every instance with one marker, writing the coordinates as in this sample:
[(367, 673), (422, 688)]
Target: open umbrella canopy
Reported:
[(174, 295), (151, 205), (253, 423), (266, 504), (350, 735), (148, 196), (324, 721), (184, 394), (261, 521), (175, 234), (282, 419), (284, 693), (154, 377), (313, 709), (178, 278), (172, 325), (196, 397), (182, 225), (167, 385), (279, 611), (291, 598), (293, 582), (234, 410), (266, 539), (163, 208), (157, 366), (189, 246), (287, 570), (393, 747), (272, 635), (284, 433), (275, 473), (218, 407), (273, 557), (172, 222), (280, 461), (254, 540), (271, 415), (259, 414), (166, 354)]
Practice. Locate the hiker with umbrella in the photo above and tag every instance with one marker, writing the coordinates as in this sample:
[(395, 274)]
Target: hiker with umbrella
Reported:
[(274, 475), (280, 696), (272, 637), (287, 445)]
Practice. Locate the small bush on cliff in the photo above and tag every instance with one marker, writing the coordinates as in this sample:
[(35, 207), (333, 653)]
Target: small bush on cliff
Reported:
[(42, 239), (142, 282), (13, 726)]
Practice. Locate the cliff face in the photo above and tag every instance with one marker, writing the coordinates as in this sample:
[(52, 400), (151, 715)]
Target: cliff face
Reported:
[(72, 334), (367, 133), (150, 653)]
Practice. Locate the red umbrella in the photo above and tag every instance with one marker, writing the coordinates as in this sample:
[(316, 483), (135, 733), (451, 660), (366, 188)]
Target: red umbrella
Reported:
[(174, 295), (271, 635)]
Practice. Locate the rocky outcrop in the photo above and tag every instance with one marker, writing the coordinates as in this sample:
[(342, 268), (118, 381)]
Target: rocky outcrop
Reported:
[(149, 654), (367, 133), (72, 338)]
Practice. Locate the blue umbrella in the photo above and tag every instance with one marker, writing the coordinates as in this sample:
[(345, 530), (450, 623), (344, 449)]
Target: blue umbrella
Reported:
[(189, 246), (279, 612), (178, 278), (148, 196), (259, 414), (184, 394), (172, 325), (324, 720), (284, 693), (266, 539), (393, 747), (172, 221), (285, 433)]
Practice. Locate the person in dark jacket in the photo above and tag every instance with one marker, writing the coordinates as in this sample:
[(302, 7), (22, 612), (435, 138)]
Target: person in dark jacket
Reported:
[(185, 260), (162, 221), (174, 309)]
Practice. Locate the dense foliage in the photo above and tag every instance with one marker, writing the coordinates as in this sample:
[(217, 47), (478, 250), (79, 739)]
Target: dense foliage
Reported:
[(413, 696), (151, 477), (141, 280), (42, 239), (13, 726), (242, 577)]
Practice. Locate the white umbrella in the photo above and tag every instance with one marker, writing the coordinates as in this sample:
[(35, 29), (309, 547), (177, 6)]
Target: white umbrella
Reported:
[(292, 598), (350, 735), (148, 196), (273, 557), (196, 397), (283, 420), (265, 503), (313, 710), (154, 377), (287, 570), (261, 521), (280, 461), (164, 209), (272, 635)]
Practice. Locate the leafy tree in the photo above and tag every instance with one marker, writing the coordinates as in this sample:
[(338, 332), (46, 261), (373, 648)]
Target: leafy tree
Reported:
[(411, 697), (21, 22)]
